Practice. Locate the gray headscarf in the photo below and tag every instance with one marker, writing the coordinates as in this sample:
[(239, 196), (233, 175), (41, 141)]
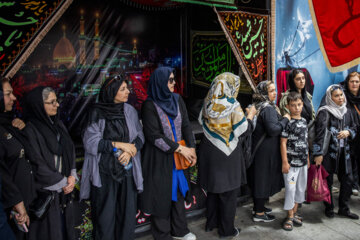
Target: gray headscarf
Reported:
[(261, 98), (331, 106)]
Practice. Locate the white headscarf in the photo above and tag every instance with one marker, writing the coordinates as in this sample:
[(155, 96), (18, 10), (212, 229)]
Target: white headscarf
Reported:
[(336, 110)]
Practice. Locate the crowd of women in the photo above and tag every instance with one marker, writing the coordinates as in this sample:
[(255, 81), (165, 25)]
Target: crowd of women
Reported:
[(124, 158)]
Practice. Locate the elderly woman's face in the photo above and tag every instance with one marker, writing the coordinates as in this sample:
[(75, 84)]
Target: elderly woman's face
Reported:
[(9, 97), (353, 85), (171, 83), (51, 104), (299, 81), (122, 94), (338, 97), (272, 92)]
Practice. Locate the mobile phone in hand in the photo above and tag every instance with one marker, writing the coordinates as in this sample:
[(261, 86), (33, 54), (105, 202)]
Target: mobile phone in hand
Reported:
[(21, 227)]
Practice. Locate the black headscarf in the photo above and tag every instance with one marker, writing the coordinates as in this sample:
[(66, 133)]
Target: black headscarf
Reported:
[(105, 108), (57, 138), (160, 93), (351, 98), (6, 119), (307, 110)]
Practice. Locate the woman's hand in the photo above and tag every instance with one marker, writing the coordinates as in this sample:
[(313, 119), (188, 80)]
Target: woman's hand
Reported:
[(126, 147), (318, 160), (124, 158), (194, 159), (188, 153), (343, 134), (18, 123), (22, 216), (71, 184), (251, 112)]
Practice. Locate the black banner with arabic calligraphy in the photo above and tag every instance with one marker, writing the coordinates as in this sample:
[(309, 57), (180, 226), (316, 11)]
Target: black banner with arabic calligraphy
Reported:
[(210, 55), (249, 33), (20, 21)]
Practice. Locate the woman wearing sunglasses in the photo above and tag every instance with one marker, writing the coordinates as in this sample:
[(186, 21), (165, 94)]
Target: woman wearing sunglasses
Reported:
[(165, 123), (335, 117), (55, 171), (111, 174)]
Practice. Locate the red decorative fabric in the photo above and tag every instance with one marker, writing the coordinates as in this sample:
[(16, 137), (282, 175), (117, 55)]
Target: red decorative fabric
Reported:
[(338, 24)]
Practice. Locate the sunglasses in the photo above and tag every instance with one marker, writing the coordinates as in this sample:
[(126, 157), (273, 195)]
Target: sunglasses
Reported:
[(171, 80), (335, 88), (116, 78)]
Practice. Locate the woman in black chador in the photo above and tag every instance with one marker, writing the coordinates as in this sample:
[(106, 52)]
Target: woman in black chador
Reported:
[(112, 182), (335, 117), (265, 172), (56, 171), (351, 87), (15, 168), (165, 123)]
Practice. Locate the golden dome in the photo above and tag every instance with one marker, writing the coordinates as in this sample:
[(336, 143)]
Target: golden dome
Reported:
[(64, 53)]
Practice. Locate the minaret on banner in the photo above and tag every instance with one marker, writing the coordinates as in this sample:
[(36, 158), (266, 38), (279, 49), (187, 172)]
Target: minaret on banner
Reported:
[(135, 54), (96, 40), (82, 41)]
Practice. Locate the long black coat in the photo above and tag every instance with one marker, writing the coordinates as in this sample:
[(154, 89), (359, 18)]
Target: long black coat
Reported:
[(16, 170), (219, 173), (332, 158), (157, 164), (46, 175), (265, 174)]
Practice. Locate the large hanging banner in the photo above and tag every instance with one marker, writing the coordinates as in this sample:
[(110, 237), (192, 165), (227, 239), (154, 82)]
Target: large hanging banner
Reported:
[(247, 34), (337, 27), (23, 24)]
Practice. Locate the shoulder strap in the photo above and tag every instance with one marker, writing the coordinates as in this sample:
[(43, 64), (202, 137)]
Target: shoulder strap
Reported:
[(257, 146), (356, 108)]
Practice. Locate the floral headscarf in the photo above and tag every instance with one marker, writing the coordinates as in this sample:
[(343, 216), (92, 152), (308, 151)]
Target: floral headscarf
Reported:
[(222, 118)]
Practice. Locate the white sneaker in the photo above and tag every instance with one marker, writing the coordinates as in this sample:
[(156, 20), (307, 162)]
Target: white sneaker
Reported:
[(189, 236), (355, 192), (335, 190)]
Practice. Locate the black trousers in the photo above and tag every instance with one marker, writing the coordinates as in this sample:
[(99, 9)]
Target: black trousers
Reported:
[(113, 208), (174, 225), (346, 184), (221, 210), (259, 204)]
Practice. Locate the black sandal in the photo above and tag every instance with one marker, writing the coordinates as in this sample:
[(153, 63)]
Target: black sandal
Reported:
[(288, 224)]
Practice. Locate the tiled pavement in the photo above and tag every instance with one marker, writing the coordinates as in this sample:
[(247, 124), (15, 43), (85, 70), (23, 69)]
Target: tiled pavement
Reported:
[(316, 225)]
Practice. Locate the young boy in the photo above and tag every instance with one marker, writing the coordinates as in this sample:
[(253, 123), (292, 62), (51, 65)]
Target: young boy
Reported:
[(295, 160)]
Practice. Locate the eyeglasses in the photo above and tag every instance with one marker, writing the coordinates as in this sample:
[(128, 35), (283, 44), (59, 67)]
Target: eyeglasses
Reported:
[(53, 102), (171, 80)]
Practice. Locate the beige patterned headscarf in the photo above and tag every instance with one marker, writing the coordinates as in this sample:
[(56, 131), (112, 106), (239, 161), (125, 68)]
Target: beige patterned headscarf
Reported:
[(221, 116)]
